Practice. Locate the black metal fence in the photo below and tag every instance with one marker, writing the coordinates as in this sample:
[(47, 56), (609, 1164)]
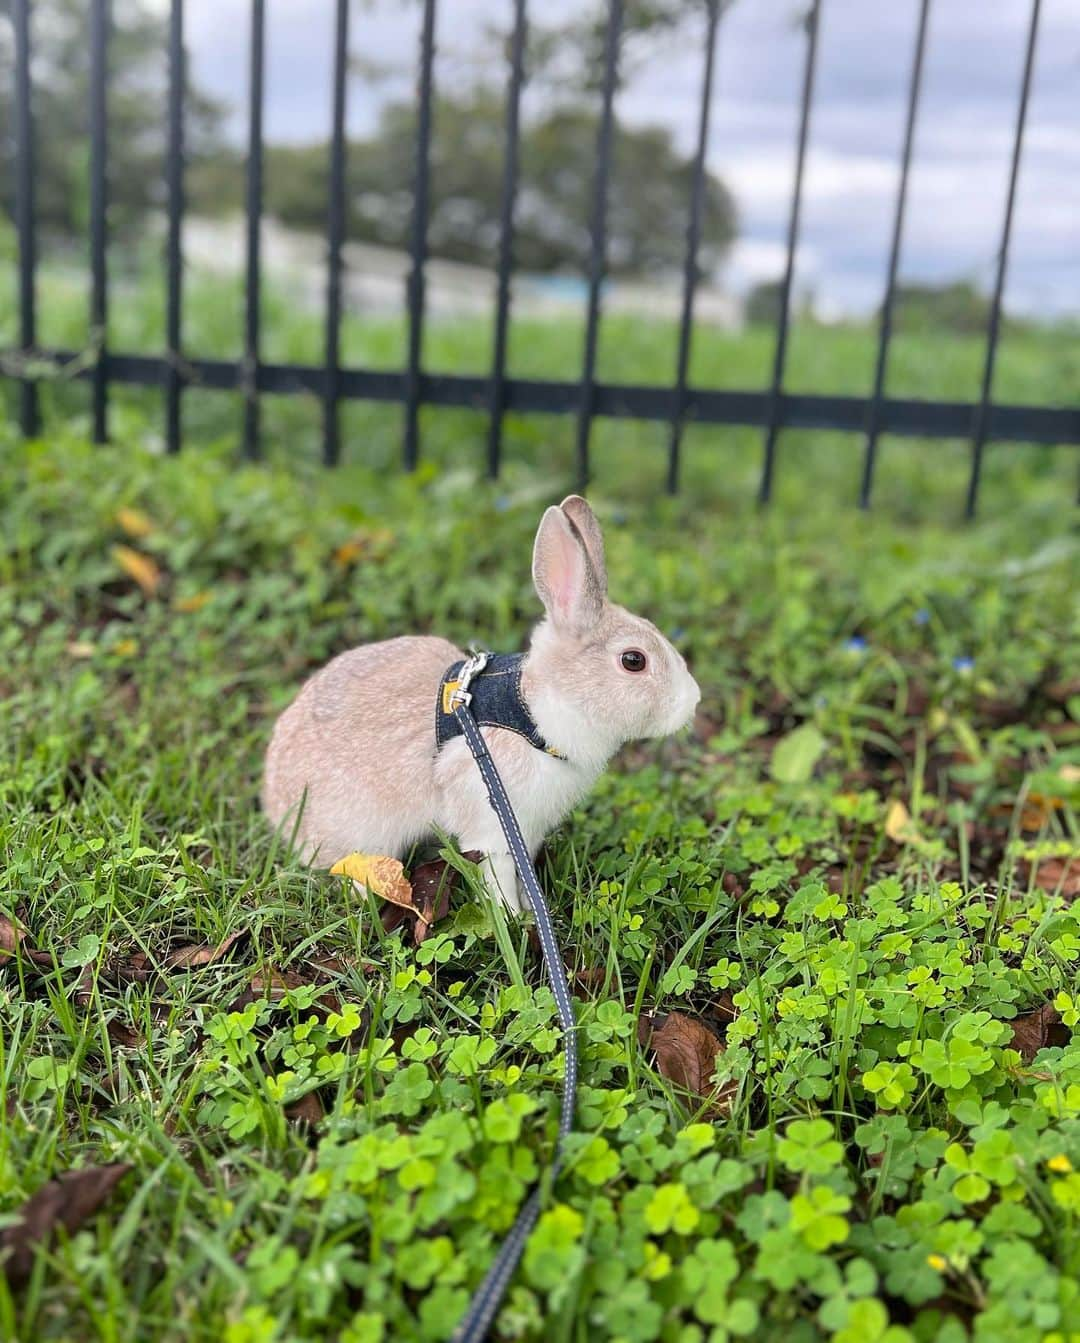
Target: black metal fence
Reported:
[(773, 409)]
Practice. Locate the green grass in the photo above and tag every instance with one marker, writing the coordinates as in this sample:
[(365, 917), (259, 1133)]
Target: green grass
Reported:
[(885, 1162)]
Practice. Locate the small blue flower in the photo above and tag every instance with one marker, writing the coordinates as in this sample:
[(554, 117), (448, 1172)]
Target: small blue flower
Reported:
[(676, 634), (502, 503), (963, 664), (922, 616), (856, 644)]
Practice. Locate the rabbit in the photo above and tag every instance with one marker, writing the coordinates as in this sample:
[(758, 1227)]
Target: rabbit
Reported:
[(353, 763)]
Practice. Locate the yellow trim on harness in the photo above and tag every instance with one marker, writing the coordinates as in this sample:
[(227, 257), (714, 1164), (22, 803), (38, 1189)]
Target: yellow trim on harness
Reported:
[(448, 691)]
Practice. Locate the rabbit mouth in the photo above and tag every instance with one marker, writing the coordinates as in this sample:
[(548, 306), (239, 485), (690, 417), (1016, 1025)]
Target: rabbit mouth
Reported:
[(682, 711)]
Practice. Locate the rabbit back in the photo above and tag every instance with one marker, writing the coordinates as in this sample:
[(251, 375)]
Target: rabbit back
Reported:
[(350, 762)]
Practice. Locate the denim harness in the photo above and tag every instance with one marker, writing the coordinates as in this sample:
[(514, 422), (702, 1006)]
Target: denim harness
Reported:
[(496, 701)]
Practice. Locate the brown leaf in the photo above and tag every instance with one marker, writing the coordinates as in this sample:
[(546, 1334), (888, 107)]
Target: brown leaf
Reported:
[(324, 967), (1060, 691), (138, 566), (432, 884), (137, 969), (67, 1202), (10, 935), (732, 886), (13, 939), (1054, 874), (307, 1110), (274, 984), (190, 958), (393, 916), (120, 1034), (1035, 1030), (686, 1051)]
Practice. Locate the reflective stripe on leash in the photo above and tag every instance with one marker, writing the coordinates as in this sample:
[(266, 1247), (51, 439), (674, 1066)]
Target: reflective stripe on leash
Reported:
[(478, 1318)]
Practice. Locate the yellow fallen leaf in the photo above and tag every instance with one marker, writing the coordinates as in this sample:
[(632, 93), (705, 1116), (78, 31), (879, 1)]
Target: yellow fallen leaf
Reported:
[(138, 566), (362, 543), (899, 826), (134, 521), (383, 876), (348, 552), (194, 602), (79, 648), (125, 648)]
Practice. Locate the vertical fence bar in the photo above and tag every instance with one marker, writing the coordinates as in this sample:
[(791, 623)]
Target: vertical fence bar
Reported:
[(873, 422), (335, 232), (250, 367), (813, 23), (29, 417), (693, 241), (598, 233), (506, 239), (174, 171), (99, 390), (978, 436), (419, 237)]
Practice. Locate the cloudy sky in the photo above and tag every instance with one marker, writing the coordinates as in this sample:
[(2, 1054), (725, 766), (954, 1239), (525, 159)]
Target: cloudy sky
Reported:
[(967, 115)]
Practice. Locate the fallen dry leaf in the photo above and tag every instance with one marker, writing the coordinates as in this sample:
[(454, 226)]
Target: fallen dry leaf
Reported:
[(686, 1052), (10, 935), (1034, 1030), (432, 885), (383, 876), (195, 601), (1059, 874), (324, 966), (274, 984), (307, 1110), (190, 958), (899, 826), (67, 1201), (13, 939), (138, 566), (135, 522), (362, 543), (1060, 691)]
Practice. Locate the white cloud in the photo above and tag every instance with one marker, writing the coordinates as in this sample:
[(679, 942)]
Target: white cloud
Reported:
[(963, 141)]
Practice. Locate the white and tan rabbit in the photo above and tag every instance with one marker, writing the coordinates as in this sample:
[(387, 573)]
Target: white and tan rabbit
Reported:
[(353, 763)]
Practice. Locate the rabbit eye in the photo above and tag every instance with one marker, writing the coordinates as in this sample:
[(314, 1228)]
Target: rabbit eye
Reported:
[(634, 660)]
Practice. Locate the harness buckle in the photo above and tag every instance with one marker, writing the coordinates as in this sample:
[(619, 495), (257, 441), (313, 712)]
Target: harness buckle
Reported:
[(474, 665)]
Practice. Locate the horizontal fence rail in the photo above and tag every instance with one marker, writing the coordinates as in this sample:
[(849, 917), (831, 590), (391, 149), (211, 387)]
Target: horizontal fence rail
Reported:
[(678, 403)]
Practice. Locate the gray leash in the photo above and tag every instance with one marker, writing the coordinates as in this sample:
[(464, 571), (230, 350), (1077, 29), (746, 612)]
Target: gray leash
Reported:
[(478, 1318)]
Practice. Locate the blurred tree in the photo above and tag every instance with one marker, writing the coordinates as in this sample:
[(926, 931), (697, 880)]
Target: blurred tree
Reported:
[(647, 205), (762, 306), (957, 306), (136, 113)]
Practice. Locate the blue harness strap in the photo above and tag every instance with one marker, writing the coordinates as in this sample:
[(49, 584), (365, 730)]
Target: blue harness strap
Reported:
[(485, 1303)]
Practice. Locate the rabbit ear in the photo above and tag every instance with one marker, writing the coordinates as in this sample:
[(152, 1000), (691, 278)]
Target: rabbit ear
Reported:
[(563, 573), (584, 520)]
